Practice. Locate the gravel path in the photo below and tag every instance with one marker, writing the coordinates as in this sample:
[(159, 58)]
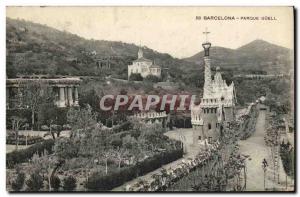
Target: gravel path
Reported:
[(256, 148)]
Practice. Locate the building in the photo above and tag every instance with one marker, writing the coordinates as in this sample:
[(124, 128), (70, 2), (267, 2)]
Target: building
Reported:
[(153, 117), (216, 107), (65, 90), (143, 66)]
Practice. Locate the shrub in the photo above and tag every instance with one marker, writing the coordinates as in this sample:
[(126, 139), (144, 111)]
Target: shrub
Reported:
[(152, 78), (21, 156), (18, 183), (55, 182), (136, 77), (69, 183), (287, 158), (44, 128), (35, 182), (22, 140)]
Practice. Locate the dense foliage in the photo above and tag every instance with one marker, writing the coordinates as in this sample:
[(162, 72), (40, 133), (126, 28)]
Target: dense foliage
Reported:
[(69, 183), (287, 155), (103, 183), (20, 156)]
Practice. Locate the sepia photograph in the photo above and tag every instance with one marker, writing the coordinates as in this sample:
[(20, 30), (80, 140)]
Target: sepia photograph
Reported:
[(150, 99)]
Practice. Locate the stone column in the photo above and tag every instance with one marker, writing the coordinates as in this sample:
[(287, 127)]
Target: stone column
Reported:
[(70, 96), (7, 97), (76, 97), (66, 96), (56, 101), (61, 102)]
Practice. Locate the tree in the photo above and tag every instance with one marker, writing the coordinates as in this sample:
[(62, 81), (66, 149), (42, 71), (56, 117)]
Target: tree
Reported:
[(18, 183), (35, 182), (135, 77), (107, 155), (49, 114), (69, 183), (152, 78), (81, 119), (17, 123), (45, 165), (120, 152), (36, 93), (65, 148), (55, 182), (152, 135)]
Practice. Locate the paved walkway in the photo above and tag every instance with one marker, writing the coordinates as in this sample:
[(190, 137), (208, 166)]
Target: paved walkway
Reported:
[(256, 148)]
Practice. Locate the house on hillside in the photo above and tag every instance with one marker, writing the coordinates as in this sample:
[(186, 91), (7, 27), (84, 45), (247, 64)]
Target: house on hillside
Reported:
[(144, 66)]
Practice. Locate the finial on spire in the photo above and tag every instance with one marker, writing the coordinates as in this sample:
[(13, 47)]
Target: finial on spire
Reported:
[(206, 45), (206, 34)]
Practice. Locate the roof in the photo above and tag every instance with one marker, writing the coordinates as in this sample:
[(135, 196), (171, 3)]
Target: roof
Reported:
[(142, 59), (154, 66), (51, 81)]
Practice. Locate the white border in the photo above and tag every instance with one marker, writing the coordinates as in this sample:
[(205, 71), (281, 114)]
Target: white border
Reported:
[(4, 3)]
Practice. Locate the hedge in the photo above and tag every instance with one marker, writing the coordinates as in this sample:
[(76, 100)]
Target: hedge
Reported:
[(114, 179), (24, 155), (22, 140), (287, 158)]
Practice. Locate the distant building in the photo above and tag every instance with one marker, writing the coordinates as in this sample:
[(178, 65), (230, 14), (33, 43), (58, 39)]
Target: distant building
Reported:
[(143, 66), (216, 107)]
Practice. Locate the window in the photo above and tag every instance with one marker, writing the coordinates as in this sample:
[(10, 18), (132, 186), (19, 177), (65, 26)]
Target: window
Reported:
[(199, 137), (209, 126)]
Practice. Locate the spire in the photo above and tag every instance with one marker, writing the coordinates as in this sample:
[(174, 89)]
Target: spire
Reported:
[(207, 71), (140, 53)]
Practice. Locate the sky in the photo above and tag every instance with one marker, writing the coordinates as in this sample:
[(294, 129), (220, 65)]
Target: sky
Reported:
[(172, 30)]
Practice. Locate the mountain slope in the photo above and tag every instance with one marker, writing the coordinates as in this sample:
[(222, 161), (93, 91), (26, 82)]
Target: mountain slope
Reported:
[(257, 55), (38, 49)]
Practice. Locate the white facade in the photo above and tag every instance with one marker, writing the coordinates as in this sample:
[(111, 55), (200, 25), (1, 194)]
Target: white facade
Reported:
[(143, 66)]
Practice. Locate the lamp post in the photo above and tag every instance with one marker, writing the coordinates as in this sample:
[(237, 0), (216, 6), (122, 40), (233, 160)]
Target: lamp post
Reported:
[(264, 166)]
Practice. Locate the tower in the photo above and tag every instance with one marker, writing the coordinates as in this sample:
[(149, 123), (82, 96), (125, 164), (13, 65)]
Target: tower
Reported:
[(207, 71), (140, 53), (216, 106)]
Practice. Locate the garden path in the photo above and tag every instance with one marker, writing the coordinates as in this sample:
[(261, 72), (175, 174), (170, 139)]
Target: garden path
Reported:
[(256, 148)]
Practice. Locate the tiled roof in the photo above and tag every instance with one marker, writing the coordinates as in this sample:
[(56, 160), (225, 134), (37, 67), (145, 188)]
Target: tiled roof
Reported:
[(142, 59)]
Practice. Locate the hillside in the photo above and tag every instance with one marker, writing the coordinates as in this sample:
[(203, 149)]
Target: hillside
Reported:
[(257, 55), (38, 49)]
